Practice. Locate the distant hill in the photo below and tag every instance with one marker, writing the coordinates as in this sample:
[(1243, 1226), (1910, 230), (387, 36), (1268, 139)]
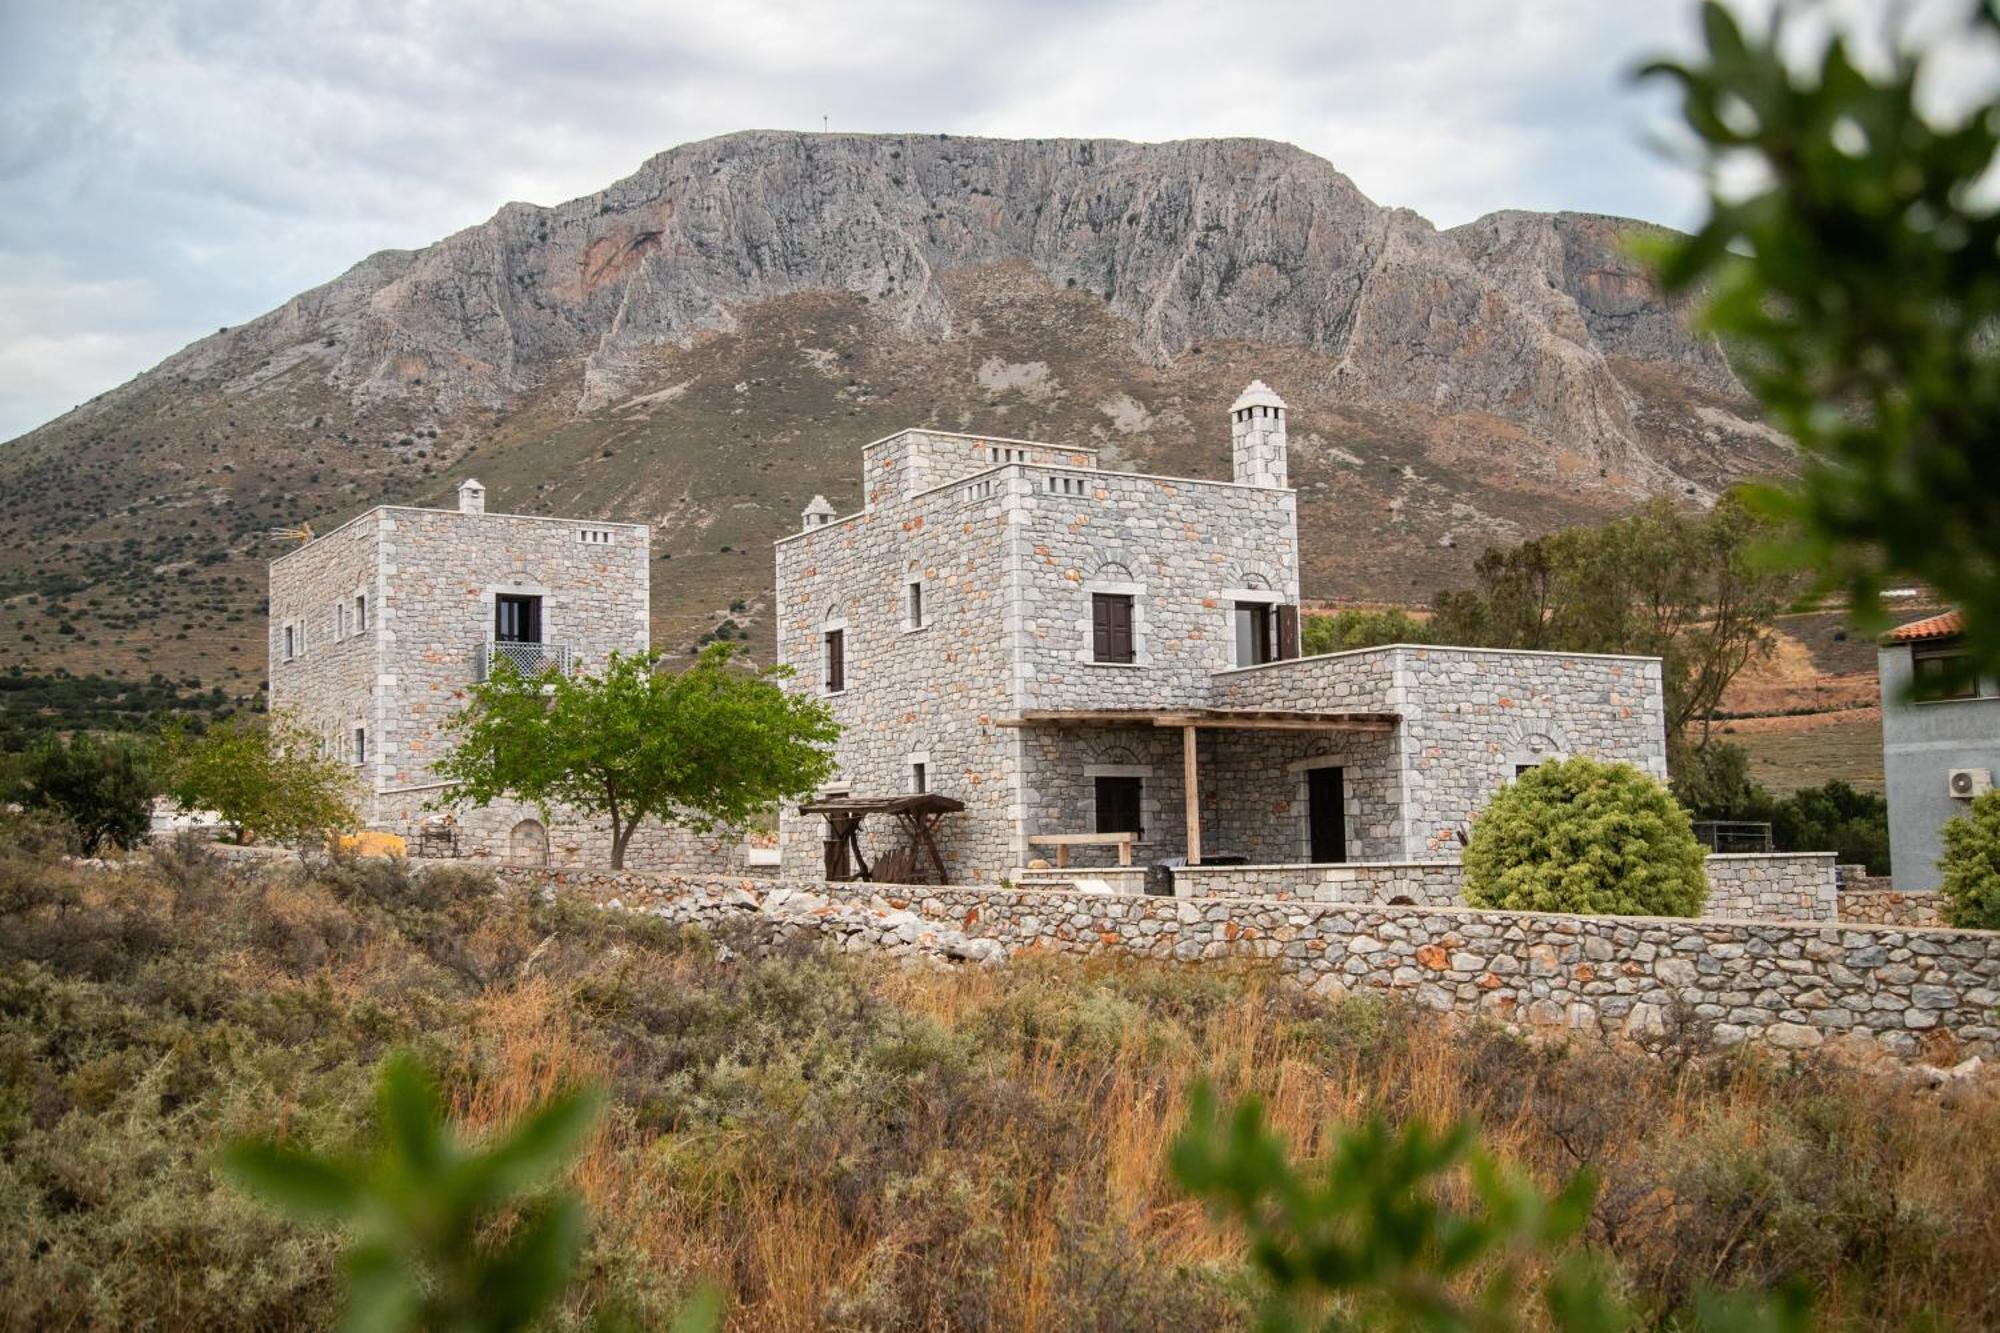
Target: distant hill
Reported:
[(707, 343)]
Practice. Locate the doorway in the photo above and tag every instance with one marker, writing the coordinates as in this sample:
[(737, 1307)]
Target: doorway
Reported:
[(1326, 814), (528, 844)]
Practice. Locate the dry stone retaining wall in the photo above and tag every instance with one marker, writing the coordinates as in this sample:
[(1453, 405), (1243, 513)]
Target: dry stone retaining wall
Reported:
[(1789, 985), (1888, 907), (1783, 886)]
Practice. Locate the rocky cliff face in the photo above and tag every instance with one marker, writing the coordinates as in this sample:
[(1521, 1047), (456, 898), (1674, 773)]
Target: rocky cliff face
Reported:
[(1513, 373)]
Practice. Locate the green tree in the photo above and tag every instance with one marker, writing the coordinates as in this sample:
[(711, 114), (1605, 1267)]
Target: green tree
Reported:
[(102, 786), (1577, 835), (1346, 630), (1834, 817), (1859, 279), (269, 782), (1971, 866), (705, 748), (1681, 585)]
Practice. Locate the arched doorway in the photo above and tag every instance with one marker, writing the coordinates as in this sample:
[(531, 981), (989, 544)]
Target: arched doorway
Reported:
[(528, 844)]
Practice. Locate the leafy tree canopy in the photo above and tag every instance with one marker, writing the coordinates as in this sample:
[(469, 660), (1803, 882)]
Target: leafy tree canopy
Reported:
[(1860, 279), (1971, 865), (1577, 835), (1344, 631), (271, 782), (102, 786), (705, 748)]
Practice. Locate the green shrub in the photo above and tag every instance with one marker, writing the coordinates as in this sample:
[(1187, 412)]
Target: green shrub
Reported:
[(103, 786), (1576, 835), (1971, 865)]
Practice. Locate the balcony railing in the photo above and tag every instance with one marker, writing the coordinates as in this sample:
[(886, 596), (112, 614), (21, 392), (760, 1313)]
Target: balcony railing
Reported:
[(530, 659)]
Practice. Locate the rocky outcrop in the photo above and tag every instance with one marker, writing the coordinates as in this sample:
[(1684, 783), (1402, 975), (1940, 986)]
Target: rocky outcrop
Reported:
[(1517, 316)]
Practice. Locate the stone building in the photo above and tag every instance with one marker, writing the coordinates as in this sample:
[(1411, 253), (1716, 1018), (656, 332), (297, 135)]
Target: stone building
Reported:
[(1940, 740), (377, 628), (1074, 653)]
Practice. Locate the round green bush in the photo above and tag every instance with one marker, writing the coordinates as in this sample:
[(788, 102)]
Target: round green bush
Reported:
[(1971, 866), (1576, 835)]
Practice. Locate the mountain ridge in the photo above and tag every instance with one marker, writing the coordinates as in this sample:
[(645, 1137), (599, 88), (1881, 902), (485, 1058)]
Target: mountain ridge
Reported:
[(702, 343)]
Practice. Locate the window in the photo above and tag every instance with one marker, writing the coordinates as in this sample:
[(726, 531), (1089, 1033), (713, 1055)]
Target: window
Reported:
[(360, 613), (517, 618), (913, 605), (594, 536), (1942, 671), (918, 780), (339, 621), (1118, 805), (1111, 626), (836, 661), (1256, 634), (291, 642), (361, 745), (1059, 484)]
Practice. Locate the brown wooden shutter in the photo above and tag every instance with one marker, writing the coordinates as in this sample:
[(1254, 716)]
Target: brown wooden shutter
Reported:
[(1111, 627), (836, 659), (1288, 632)]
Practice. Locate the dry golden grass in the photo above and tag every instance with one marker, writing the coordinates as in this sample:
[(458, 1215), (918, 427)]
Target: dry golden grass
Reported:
[(843, 1143)]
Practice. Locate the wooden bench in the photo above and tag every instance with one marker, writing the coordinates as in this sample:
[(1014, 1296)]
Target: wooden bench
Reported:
[(1062, 842)]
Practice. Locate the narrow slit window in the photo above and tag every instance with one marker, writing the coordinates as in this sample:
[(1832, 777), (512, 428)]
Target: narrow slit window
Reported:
[(913, 605), (836, 660)]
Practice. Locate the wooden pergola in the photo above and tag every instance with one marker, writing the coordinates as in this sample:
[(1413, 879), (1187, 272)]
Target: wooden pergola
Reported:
[(918, 814), (1191, 720)]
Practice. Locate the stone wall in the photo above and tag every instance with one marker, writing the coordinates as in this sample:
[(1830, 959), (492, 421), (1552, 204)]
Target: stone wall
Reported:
[(1472, 718), (1772, 886), (1424, 883), (328, 684), (932, 690), (1890, 907), (1901, 991), (1781, 886)]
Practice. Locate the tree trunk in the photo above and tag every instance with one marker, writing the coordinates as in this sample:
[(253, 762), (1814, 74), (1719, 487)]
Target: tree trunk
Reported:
[(619, 837)]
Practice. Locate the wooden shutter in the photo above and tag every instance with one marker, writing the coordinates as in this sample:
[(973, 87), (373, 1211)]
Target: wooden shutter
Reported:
[(1111, 627), (836, 659), (1288, 632)]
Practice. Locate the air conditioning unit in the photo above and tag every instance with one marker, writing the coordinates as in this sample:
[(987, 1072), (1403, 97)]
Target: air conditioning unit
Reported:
[(1966, 783)]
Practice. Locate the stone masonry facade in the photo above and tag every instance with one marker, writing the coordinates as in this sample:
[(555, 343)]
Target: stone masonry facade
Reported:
[(963, 600), (387, 619), (1904, 992)]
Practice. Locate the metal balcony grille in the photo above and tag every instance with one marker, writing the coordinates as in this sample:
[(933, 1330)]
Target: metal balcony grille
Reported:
[(530, 659)]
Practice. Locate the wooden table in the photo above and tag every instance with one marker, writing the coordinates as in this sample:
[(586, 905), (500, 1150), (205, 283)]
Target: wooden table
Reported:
[(1062, 842)]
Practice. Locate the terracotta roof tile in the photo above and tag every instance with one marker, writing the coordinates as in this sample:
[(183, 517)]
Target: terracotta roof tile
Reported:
[(1932, 627)]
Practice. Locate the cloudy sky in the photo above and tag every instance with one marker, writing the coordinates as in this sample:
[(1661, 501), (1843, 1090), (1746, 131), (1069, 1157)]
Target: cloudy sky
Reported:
[(169, 166)]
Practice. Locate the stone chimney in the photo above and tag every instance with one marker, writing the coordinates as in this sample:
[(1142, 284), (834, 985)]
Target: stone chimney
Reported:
[(819, 513), (1257, 437), (472, 497)]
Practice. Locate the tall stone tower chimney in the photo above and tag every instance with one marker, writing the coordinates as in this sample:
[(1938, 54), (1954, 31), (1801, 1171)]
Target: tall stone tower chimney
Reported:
[(1257, 437), (471, 497)]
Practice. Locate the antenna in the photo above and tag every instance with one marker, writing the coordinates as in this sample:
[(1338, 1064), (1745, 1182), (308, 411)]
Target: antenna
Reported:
[(822, 124), (302, 534)]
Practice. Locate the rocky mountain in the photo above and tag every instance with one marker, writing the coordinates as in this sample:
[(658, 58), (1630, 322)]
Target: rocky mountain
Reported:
[(706, 343)]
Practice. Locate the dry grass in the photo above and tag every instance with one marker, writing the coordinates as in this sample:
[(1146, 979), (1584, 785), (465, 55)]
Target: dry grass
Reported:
[(846, 1144)]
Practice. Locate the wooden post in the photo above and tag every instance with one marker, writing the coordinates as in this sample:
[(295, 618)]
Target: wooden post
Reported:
[(1191, 779)]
